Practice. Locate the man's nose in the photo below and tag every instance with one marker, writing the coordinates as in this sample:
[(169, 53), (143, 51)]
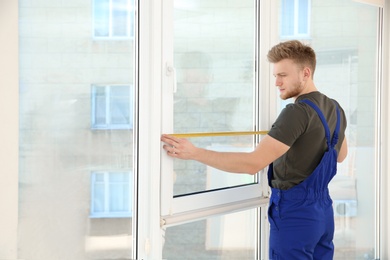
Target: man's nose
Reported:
[(278, 82)]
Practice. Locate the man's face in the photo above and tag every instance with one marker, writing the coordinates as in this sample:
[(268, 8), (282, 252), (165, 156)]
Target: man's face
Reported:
[(288, 78)]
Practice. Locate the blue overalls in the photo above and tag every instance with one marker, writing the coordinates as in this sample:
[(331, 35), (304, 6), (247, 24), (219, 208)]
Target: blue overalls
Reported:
[(301, 218)]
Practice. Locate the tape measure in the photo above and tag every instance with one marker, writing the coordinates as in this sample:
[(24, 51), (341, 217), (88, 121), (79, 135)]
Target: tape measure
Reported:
[(209, 134)]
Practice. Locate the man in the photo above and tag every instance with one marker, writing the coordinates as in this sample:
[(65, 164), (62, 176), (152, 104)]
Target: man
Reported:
[(302, 150)]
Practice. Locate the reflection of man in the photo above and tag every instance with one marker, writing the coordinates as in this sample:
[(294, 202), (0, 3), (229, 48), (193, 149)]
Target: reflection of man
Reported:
[(194, 74), (195, 111), (302, 148)]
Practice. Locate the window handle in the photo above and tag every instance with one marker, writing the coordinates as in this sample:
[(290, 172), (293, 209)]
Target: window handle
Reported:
[(171, 71)]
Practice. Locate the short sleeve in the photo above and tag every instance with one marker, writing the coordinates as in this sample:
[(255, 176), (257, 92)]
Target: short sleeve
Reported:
[(290, 124)]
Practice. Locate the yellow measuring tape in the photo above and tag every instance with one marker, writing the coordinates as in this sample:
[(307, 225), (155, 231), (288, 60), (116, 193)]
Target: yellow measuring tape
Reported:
[(208, 134)]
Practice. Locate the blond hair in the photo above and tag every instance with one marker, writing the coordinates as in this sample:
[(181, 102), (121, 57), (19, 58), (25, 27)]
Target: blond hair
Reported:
[(299, 53)]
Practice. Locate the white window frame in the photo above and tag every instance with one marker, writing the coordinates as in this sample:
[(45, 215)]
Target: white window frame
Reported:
[(107, 213), (108, 105), (184, 208), (296, 34), (129, 22)]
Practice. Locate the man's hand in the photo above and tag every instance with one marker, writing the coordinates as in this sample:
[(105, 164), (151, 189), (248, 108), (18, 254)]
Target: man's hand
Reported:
[(179, 147)]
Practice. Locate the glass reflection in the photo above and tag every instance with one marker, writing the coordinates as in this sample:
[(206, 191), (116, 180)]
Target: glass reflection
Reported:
[(213, 57), (343, 33), (216, 238), (76, 128)]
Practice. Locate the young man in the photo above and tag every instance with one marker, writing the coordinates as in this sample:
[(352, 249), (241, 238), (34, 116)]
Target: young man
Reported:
[(301, 149)]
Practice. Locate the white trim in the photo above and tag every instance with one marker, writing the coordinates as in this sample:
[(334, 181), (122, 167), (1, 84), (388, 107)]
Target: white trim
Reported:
[(167, 104), (269, 14), (9, 114), (217, 198), (378, 135), (212, 211), (150, 240), (269, 23), (385, 145)]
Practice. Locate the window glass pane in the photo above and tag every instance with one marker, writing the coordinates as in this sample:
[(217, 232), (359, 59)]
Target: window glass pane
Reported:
[(65, 196), (119, 197), (120, 11), (99, 177), (120, 105), (119, 177), (99, 106), (99, 195), (287, 17), (112, 107), (213, 57), (303, 13), (119, 192), (120, 112), (231, 236), (346, 71), (101, 17)]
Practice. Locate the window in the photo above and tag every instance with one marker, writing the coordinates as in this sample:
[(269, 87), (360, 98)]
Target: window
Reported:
[(350, 65), (61, 108), (113, 19), (112, 107), (295, 19), (211, 88), (111, 194), (226, 236)]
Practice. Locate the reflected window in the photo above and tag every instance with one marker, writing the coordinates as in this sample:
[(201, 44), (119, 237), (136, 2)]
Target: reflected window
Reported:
[(215, 86), (111, 195), (113, 19), (112, 107), (346, 71), (228, 236), (295, 19)]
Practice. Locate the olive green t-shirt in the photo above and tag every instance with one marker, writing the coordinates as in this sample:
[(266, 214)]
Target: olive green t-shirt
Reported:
[(300, 127)]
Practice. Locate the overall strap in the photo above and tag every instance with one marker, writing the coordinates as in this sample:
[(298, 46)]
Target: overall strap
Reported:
[(335, 138), (331, 142)]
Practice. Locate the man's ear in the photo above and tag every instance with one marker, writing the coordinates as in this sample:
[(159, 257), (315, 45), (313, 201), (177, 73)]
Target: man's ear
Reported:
[(306, 73)]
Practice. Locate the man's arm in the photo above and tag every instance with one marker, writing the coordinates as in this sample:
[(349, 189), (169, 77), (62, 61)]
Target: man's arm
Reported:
[(267, 151), (343, 151)]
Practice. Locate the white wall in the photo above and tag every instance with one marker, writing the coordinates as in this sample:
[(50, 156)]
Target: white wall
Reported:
[(8, 128)]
